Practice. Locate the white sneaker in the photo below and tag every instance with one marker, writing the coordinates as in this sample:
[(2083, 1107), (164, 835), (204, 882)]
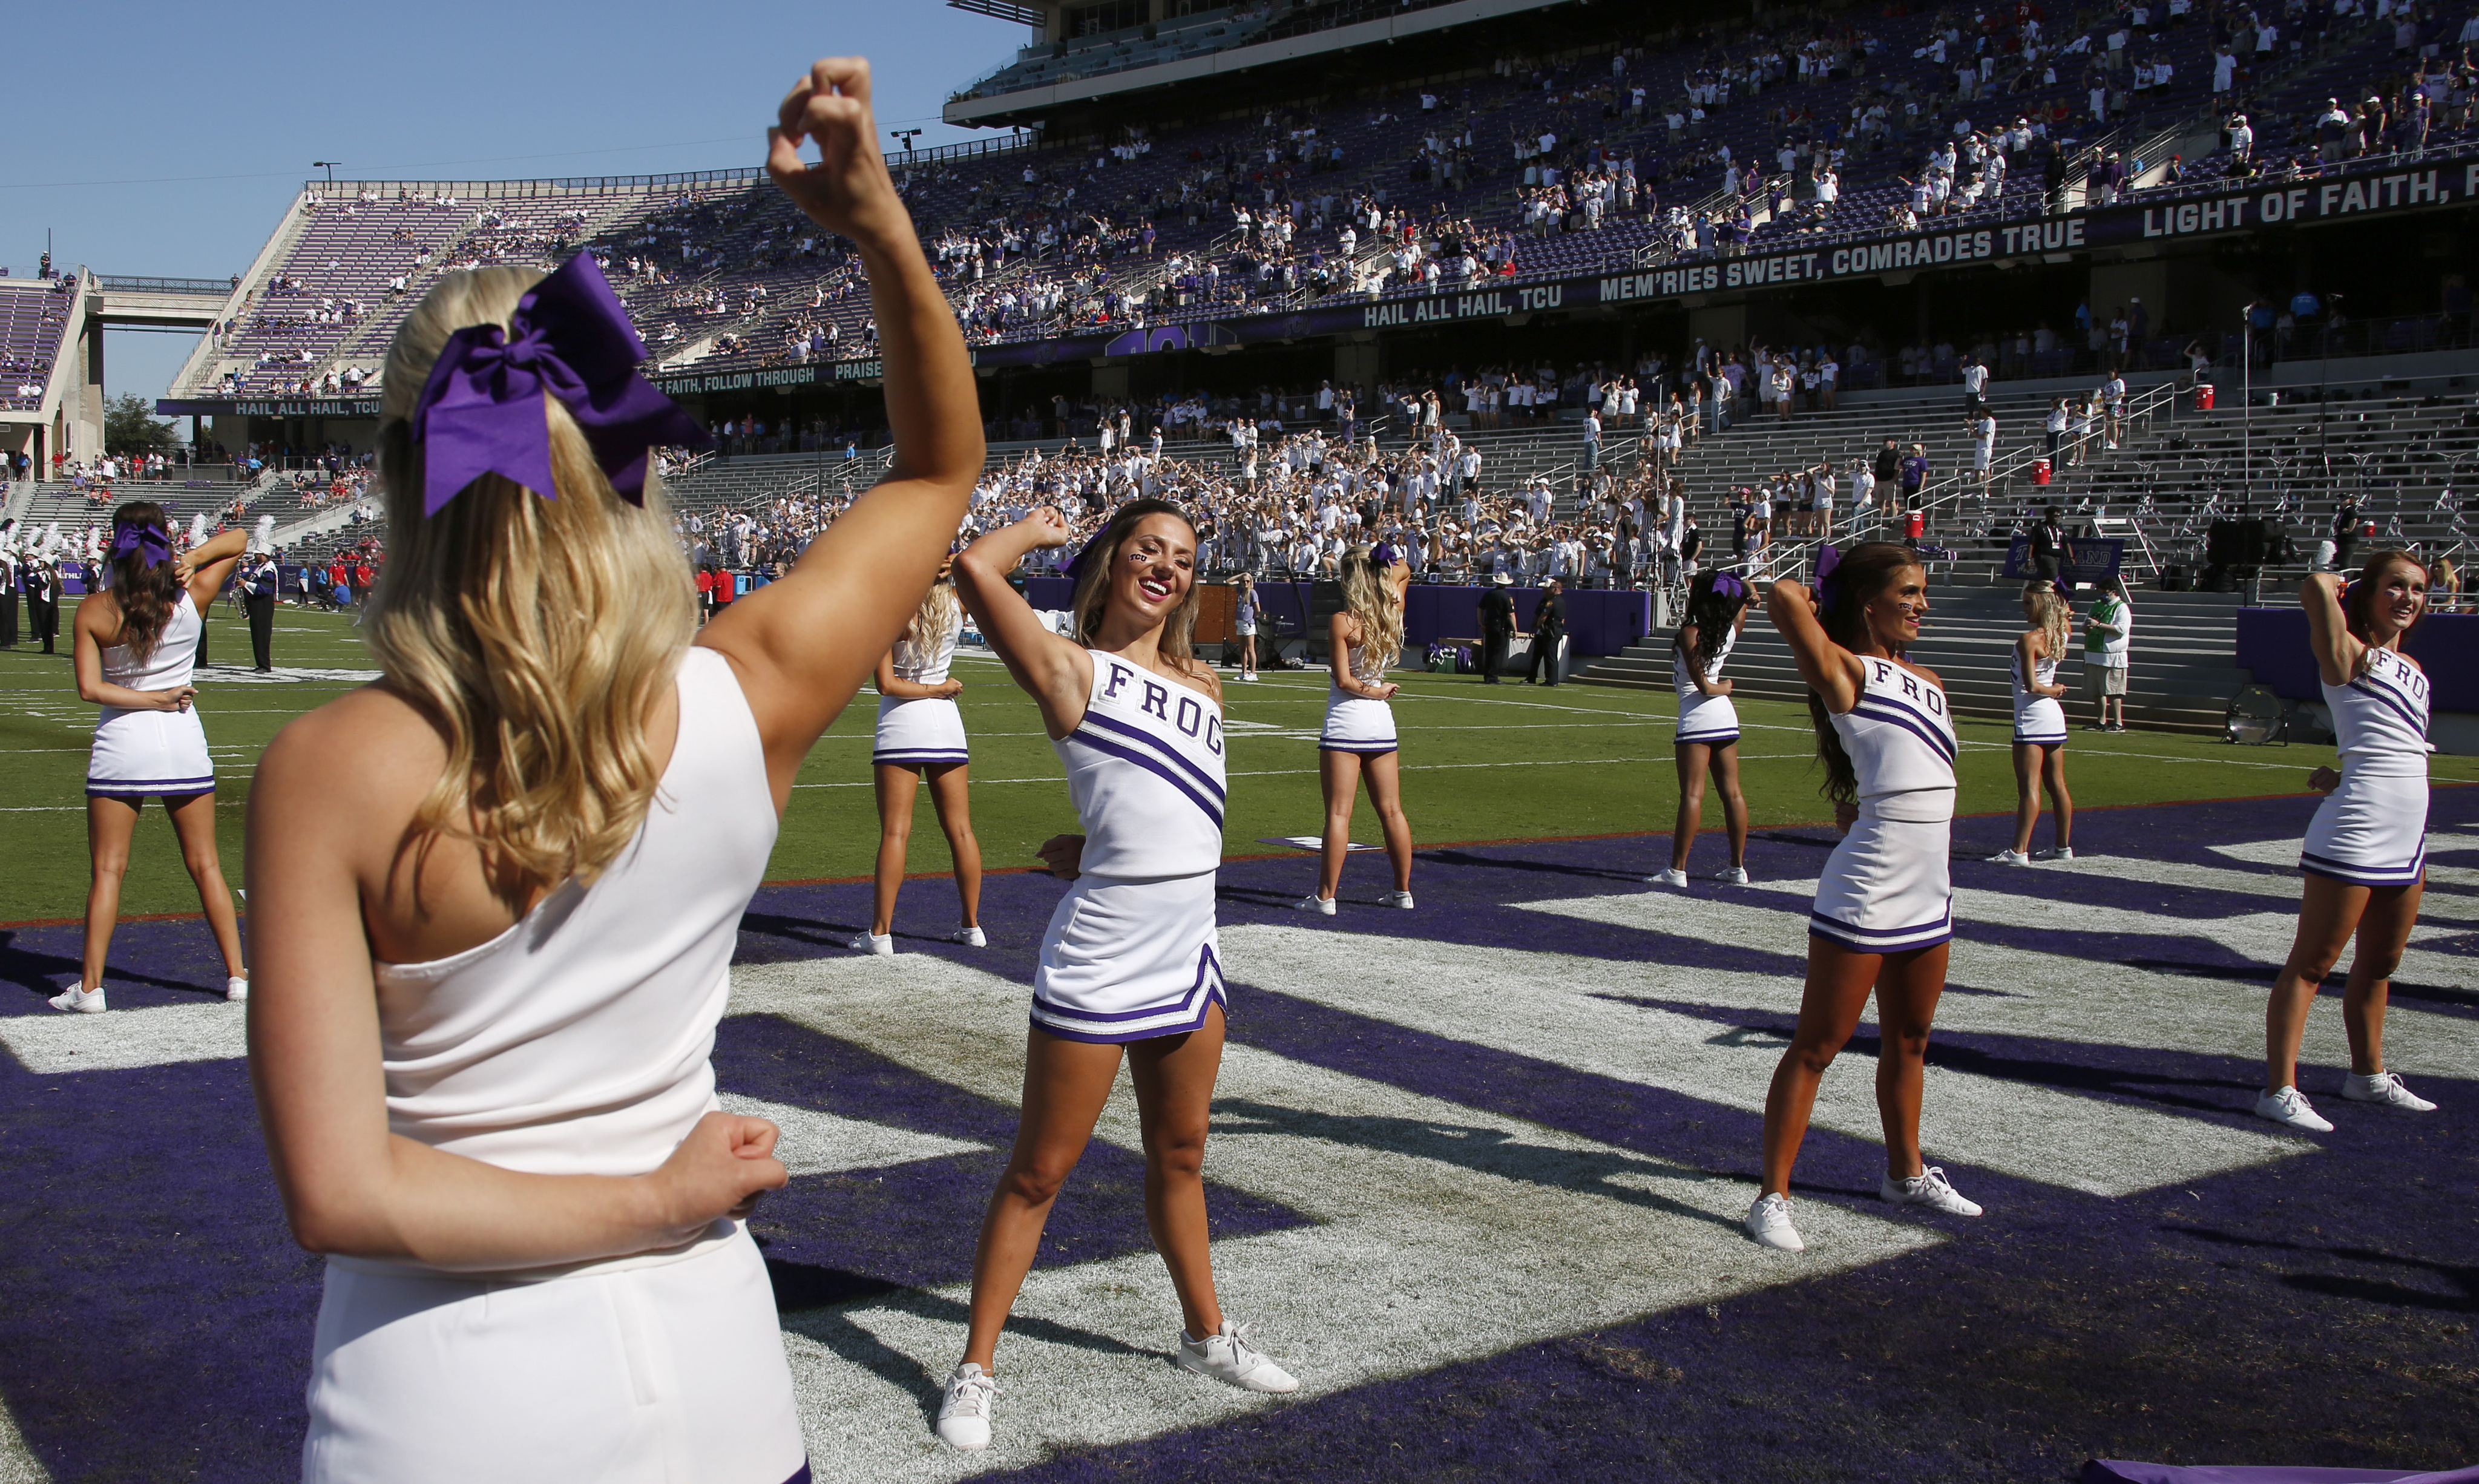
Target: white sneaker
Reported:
[(2284, 1106), (85, 1002), (1731, 876), (2055, 853), (1248, 675), (237, 989), (1401, 899), (1928, 1188), (970, 937), (867, 942), (1313, 903), (2009, 858), (1768, 1223), (2385, 1089), (1673, 877), (964, 1412), (1228, 1358)]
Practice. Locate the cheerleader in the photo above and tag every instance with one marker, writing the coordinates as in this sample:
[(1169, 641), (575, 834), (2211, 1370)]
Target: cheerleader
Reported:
[(2041, 725), (1707, 741), (136, 644), (1246, 618), (921, 733), (1359, 744), (2365, 855), (495, 897), (1884, 917), (1129, 962)]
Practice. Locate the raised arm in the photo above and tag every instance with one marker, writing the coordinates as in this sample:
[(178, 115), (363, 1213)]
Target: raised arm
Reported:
[(1055, 672), (1831, 671), (203, 568), (2337, 650), (803, 645)]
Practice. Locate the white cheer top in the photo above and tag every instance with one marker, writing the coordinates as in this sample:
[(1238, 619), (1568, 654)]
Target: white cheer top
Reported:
[(1701, 716), (173, 662), (1145, 769), (926, 664), (1900, 738), (2380, 719), (576, 1043)]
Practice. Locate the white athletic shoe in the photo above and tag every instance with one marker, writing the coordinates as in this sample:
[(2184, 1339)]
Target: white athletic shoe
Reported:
[(964, 1412), (1313, 903), (2385, 1089), (867, 942), (1250, 674), (1768, 1223), (2055, 853), (970, 937), (1731, 876), (237, 989), (1673, 877), (2284, 1106), (1228, 1358), (87, 1002), (1928, 1188), (1401, 899), (2009, 858)]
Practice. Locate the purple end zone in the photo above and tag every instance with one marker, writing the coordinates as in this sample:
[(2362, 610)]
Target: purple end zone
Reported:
[(154, 1318)]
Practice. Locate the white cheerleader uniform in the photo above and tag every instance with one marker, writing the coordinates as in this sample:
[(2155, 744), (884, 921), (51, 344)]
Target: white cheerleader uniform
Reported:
[(2372, 831), (576, 1043), (926, 728), (1130, 953), (1886, 886), (152, 754), (1357, 724), (2037, 718), (1701, 718)]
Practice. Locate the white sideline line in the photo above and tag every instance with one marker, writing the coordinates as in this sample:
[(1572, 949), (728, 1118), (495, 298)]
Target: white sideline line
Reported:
[(1442, 1234), (819, 1144), (1570, 1011)]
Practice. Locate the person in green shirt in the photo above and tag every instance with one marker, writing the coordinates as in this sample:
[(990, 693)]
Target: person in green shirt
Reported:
[(2106, 633)]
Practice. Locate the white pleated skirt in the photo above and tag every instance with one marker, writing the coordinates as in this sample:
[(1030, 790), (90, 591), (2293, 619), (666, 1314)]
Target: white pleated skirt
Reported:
[(1356, 724), (1707, 719), (1887, 887), (927, 730), (2042, 719), (1128, 960), (2372, 830), (618, 1373), (149, 754)]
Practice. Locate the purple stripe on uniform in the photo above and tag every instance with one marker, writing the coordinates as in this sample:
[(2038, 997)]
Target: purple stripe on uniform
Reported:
[(1207, 991), (2314, 864), (801, 1476), (1364, 749), (1114, 723), (1146, 760), (1882, 940), (97, 785), (1717, 739), (1902, 716), (927, 755), (2060, 740), (2384, 693), (1208, 967)]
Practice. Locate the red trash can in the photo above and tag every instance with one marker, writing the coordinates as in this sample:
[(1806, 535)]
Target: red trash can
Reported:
[(1918, 526), (2039, 470), (2204, 396)]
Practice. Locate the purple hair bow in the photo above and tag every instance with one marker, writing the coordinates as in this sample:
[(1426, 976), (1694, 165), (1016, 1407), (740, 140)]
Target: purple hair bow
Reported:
[(149, 541), (1729, 587), (481, 412), (1828, 561)]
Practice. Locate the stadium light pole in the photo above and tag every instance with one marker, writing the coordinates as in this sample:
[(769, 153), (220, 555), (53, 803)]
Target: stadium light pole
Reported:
[(908, 136), (330, 166)]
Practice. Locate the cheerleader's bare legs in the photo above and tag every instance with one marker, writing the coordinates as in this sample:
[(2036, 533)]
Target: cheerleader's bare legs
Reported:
[(2036, 766), (1908, 986), (1065, 1083), (1696, 759), (2331, 915), (1341, 775), (950, 794), (110, 824)]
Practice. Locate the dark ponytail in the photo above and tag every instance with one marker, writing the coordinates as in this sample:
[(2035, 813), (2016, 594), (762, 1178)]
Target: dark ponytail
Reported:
[(142, 582), (1713, 603), (1864, 572)]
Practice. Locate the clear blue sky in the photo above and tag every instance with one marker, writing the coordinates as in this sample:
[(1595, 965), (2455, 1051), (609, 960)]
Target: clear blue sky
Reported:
[(168, 138)]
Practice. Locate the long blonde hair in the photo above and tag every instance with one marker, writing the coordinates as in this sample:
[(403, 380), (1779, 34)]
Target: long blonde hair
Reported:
[(1369, 600), (2055, 616), (534, 633), (939, 619)]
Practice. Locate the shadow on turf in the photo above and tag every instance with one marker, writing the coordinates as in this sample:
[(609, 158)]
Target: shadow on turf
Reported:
[(2367, 1289), (38, 972)]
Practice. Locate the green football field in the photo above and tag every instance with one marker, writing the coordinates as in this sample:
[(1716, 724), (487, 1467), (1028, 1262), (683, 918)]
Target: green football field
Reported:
[(1479, 765)]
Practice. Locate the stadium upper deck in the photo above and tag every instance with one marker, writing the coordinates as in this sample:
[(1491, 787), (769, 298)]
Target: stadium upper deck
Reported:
[(1671, 175)]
